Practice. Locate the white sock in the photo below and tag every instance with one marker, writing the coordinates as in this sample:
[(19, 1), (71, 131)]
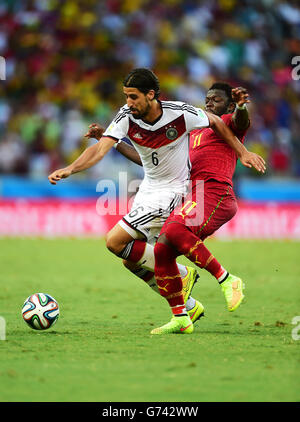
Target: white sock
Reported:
[(223, 277), (183, 270), (147, 261), (190, 303)]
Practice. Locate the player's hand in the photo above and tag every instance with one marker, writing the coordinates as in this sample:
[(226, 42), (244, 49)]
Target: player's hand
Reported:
[(58, 175), (95, 131), (240, 96), (250, 159)]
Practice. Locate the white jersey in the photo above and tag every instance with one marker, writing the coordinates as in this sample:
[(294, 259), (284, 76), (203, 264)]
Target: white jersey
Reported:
[(162, 145)]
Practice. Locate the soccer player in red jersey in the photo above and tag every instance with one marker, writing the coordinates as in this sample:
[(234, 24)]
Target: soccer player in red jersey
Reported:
[(185, 230)]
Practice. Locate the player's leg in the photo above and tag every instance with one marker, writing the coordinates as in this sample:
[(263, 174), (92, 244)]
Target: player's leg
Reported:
[(195, 250), (123, 241), (144, 274), (143, 223), (170, 287), (131, 246), (177, 234), (190, 245), (139, 259), (219, 207), (128, 241), (189, 276), (118, 238)]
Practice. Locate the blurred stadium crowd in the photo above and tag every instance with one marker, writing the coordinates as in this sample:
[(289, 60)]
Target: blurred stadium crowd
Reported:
[(65, 62)]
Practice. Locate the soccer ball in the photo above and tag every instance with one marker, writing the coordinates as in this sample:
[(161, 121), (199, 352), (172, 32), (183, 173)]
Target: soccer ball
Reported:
[(40, 311)]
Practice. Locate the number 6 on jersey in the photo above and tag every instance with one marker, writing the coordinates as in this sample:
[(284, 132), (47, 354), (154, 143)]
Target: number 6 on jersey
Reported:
[(154, 158)]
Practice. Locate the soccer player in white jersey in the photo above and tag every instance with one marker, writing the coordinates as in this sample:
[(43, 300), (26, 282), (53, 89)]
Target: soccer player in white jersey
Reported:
[(159, 132)]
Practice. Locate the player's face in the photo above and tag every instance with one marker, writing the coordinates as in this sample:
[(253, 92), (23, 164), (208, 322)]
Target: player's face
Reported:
[(138, 102), (216, 102)]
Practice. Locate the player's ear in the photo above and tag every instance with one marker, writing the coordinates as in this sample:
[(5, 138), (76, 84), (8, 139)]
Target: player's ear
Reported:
[(151, 94)]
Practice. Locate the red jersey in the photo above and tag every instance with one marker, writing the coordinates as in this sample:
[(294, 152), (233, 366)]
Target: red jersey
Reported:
[(211, 157)]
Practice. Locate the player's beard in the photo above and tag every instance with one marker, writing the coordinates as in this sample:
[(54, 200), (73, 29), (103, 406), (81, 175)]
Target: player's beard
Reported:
[(143, 113)]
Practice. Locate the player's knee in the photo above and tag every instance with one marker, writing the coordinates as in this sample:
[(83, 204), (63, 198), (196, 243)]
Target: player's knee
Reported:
[(113, 244), (170, 233), (163, 252), (176, 235)]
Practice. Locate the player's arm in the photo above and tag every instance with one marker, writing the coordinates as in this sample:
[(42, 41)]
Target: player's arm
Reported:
[(96, 131), (87, 159), (247, 158), (129, 152), (240, 116)]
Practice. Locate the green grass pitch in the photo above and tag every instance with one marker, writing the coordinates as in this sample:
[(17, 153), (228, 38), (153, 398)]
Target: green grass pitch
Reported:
[(101, 348)]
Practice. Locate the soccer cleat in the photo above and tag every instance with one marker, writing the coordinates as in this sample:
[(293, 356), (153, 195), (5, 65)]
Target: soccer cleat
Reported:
[(177, 325), (233, 291), (188, 282), (196, 312)]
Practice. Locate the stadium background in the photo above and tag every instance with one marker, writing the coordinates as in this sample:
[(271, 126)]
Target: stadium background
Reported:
[(65, 62)]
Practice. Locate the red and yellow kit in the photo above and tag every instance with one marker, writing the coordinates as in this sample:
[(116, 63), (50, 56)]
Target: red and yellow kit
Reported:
[(211, 201)]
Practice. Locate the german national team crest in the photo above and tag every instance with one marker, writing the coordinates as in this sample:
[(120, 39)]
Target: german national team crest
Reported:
[(171, 133)]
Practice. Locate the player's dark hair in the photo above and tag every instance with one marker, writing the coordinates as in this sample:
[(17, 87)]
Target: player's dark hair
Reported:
[(223, 86), (144, 80)]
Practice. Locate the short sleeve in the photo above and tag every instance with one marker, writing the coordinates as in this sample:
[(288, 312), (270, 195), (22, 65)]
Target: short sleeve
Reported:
[(196, 118), (118, 128)]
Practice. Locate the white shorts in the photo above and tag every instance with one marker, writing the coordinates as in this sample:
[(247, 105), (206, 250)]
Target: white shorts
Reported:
[(148, 214)]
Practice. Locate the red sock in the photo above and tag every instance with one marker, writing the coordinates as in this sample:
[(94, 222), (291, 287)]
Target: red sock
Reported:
[(134, 250), (168, 278), (193, 248)]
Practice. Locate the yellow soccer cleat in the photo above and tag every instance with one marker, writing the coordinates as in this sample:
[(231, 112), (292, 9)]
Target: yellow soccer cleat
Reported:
[(233, 291), (177, 325), (196, 312), (188, 282)]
